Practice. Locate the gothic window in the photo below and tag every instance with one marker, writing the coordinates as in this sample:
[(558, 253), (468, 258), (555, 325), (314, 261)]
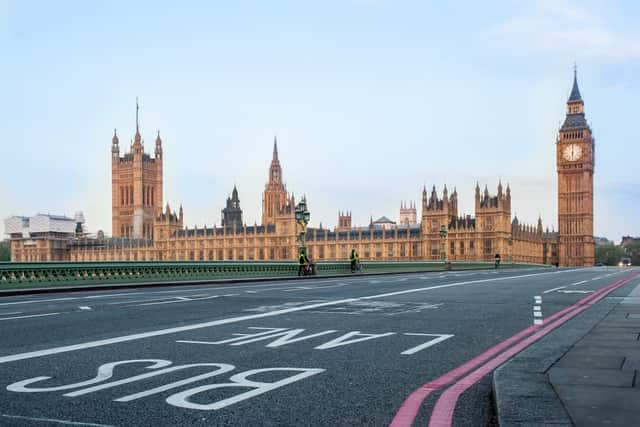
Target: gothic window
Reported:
[(461, 247), (487, 247), (452, 249), (434, 248)]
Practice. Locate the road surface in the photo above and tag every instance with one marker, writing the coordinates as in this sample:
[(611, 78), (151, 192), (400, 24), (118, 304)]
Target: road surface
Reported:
[(330, 352)]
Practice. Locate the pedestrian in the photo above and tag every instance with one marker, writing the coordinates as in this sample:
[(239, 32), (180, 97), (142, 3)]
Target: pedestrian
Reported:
[(354, 260)]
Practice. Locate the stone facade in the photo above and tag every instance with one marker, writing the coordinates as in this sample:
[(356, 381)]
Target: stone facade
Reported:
[(142, 231), (136, 188), (575, 153)]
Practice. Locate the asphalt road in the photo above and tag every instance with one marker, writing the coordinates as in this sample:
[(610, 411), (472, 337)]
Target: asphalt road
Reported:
[(330, 352)]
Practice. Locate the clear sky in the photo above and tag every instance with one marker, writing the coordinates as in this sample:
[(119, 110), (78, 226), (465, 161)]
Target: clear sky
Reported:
[(370, 100)]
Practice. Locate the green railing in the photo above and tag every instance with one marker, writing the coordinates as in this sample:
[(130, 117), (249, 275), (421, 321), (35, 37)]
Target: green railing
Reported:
[(69, 274)]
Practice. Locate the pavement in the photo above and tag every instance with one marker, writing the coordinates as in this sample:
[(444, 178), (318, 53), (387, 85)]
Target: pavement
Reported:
[(400, 350), (585, 374)]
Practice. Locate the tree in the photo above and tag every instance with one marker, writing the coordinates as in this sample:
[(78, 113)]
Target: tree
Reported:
[(5, 251), (609, 255), (632, 250)]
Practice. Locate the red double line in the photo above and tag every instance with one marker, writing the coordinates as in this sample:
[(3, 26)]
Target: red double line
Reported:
[(442, 414)]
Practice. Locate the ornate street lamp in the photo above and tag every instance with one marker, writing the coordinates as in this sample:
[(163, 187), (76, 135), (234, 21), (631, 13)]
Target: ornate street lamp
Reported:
[(510, 241), (443, 236), (302, 218)]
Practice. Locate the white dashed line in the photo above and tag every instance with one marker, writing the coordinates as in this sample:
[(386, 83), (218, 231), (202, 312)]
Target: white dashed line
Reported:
[(537, 310), (25, 317), (578, 283)]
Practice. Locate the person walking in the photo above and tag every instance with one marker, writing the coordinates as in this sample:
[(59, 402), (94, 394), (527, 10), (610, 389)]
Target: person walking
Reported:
[(354, 260)]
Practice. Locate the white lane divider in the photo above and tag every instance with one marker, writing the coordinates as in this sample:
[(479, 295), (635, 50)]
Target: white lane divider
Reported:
[(84, 307), (578, 283), (8, 314), (31, 315), (537, 310), (554, 289)]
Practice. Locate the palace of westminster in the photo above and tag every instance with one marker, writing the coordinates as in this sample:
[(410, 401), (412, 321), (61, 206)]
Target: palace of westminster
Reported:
[(145, 230)]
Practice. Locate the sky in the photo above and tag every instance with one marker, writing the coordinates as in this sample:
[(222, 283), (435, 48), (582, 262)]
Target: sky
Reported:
[(370, 100)]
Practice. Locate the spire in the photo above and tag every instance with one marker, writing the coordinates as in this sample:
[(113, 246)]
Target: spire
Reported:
[(575, 92), (158, 139), (137, 139), (275, 149), (115, 139)]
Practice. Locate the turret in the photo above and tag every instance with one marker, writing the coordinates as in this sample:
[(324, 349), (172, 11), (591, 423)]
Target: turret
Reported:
[(158, 146), (115, 145)]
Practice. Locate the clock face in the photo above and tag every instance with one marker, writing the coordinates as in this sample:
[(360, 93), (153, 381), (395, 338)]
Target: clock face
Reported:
[(572, 152)]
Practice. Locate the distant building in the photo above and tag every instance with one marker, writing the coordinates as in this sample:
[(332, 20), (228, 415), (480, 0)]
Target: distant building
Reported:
[(408, 215), (142, 232), (603, 241), (232, 214), (42, 237), (628, 240), (136, 187), (383, 222)]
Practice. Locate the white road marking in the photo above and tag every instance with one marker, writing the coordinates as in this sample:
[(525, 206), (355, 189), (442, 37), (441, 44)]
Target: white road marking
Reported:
[(41, 300), (13, 312), (578, 283), (141, 300), (596, 278), (250, 292), (84, 307), (537, 310), (180, 299), (51, 420), (162, 332), (350, 338), (576, 292), (439, 339), (554, 289), (230, 295), (26, 317)]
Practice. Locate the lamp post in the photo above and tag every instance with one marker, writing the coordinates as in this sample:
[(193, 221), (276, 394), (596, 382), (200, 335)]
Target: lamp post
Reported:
[(443, 236), (510, 242), (302, 218)]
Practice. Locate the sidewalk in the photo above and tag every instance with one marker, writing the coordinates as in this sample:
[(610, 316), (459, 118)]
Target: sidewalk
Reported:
[(597, 379), (586, 373)]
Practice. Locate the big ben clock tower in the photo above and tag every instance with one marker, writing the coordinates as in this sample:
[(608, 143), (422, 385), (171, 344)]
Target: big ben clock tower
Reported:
[(575, 163)]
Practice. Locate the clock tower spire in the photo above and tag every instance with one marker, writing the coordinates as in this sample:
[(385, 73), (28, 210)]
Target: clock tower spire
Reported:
[(575, 165)]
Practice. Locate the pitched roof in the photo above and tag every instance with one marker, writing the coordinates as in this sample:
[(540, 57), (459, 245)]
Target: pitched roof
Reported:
[(575, 92)]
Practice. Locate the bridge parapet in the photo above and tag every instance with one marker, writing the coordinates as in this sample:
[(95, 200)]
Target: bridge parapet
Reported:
[(69, 274)]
